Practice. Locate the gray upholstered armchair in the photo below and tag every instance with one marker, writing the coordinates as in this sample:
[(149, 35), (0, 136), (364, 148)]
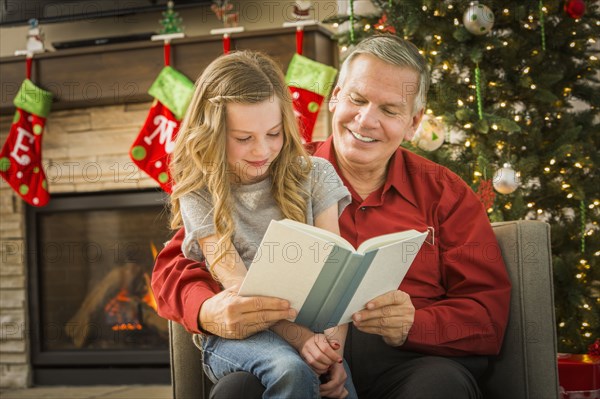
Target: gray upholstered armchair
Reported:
[(526, 366)]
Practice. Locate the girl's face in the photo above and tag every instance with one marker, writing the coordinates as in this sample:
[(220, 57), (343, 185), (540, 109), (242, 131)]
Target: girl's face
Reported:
[(254, 139)]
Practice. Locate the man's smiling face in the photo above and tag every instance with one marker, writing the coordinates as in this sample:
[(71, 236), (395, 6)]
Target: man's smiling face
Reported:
[(373, 111)]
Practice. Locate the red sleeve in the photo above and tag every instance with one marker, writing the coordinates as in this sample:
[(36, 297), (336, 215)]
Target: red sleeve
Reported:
[(471, 317), (181, 285)]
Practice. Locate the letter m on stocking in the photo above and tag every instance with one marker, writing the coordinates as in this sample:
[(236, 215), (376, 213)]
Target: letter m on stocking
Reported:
[(155, 142)]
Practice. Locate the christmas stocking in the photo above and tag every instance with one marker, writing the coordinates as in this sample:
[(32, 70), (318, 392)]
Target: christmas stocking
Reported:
[(21, 155), (150, 151), (310, 82)]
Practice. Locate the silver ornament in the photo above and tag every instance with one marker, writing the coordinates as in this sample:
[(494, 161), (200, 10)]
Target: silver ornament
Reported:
[(506, 180), (478, 19)]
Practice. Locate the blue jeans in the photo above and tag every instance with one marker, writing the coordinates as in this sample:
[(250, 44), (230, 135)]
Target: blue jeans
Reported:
[(271, 359)]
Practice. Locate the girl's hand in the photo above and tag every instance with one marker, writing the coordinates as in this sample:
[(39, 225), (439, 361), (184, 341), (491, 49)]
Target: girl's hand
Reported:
[(319, 353), (334, 385)]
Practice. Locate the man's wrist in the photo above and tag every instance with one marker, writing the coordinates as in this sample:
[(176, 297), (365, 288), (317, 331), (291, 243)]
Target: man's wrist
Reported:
[(201, 327), (194, 300)]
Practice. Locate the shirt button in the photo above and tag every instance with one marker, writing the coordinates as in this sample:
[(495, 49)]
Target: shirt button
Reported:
[(363, 208)]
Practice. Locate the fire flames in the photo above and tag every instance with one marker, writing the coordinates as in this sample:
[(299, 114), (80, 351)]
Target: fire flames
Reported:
[(124, 301), (122, 311)]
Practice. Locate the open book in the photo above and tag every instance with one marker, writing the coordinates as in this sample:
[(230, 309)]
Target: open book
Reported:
[(322, 275)]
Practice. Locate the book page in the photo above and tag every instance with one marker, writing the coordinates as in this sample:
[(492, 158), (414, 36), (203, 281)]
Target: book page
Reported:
[(318, 232), (386, 272), (386, 239), (286, 265)]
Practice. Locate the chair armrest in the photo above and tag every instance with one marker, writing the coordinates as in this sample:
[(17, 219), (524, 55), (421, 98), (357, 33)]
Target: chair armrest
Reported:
[(187, 376), (526, 366)]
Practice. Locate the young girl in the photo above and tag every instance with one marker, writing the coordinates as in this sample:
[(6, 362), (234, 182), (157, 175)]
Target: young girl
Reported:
[(238, 163)]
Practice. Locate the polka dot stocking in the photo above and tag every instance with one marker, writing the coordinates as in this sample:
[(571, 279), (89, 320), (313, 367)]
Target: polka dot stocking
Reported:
[(151, 149), (21, 158)]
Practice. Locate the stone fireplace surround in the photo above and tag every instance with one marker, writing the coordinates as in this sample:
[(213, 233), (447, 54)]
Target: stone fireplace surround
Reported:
[(85, 149)]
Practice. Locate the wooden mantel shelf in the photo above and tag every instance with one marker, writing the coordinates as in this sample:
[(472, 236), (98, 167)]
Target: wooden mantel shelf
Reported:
[(123, 73)]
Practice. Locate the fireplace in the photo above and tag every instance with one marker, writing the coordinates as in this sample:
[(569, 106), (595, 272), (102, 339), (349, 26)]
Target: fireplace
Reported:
[(92, 311)]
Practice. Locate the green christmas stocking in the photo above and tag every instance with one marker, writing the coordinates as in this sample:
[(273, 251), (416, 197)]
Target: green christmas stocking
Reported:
[(150, 151), (309, 82)]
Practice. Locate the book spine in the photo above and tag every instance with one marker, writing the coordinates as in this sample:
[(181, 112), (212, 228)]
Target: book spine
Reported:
[(344, 301), (337, 293), (326, 279)]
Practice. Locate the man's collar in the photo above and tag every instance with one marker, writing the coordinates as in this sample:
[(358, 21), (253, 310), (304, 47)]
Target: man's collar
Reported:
[(323, 149), (398, 175)]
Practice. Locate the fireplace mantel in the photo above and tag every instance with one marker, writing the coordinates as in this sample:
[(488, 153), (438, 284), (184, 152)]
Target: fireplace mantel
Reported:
[(122, 73)]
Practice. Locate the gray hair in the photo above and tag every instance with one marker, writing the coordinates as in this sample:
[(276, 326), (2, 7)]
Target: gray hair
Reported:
[(395, 51)]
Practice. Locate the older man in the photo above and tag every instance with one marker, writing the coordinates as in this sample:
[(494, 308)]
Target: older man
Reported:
[(429, 338)]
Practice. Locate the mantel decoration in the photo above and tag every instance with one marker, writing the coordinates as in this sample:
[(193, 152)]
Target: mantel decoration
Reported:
[(301, 9), (223, 9), (172, 92), (21, 155), (309, 82)]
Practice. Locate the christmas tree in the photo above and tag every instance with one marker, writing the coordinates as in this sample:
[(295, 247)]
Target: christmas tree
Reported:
[(515, 94)]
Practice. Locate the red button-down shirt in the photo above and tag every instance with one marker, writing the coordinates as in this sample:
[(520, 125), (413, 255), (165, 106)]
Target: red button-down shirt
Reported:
[(458, 285)]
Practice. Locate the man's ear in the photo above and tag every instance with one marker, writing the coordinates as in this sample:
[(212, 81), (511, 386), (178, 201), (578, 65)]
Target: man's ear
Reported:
[(415, 122), (334, 98)]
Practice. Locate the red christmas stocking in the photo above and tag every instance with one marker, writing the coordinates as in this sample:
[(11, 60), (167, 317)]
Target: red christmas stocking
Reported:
[(150, 151), (21, 155), (310, 82)]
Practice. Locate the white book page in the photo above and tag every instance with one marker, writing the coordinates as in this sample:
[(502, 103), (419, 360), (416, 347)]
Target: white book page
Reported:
[(318, 232), (380, 241), (286, 265), (385, 274)]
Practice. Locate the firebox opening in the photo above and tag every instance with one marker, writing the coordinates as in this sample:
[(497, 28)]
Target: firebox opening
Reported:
[(91, 305)]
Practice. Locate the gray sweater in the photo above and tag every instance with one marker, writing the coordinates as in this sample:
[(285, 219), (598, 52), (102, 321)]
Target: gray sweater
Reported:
[(254, 208)]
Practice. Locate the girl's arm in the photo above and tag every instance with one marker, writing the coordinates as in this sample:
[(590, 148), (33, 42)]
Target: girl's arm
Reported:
[(230, 269), (337, 335), (328, 220), (316, 350), (319, 350)]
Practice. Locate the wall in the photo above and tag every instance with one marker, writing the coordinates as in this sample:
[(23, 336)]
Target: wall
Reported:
[(83, 150)]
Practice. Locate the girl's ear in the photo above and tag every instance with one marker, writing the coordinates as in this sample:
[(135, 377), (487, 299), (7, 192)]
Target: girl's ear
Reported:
[(334, 98)]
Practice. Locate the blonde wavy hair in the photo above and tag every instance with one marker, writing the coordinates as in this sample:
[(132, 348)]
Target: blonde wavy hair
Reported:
[(199, 159)]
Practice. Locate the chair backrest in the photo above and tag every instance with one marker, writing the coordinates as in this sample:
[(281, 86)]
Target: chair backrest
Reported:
[(526, 366)]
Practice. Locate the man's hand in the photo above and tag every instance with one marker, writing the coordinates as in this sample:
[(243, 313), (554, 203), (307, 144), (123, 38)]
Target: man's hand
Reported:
[(231, 316), (390, 315), (334, 387)]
